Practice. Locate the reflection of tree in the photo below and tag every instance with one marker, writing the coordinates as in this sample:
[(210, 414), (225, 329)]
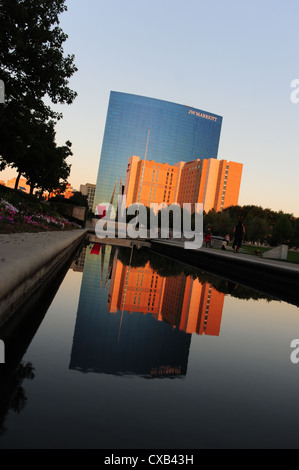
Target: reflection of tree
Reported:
[(13, 395), (139, 257), (167, 267), (234, 289)]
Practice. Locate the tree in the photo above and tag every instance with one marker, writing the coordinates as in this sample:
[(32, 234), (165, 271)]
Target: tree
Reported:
[(79, 199), (44, 163), (33, 68), (257, 229), (282, 231), (209, 220), (220, 223), (56, 172), (235, 212), (295, 239), (31, 54)]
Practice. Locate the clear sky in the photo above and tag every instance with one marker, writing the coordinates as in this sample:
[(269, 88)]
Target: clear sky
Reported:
[(234, 58)]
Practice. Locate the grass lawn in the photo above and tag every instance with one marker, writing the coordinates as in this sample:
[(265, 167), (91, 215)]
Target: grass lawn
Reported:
[(251, 249), (293, 256)]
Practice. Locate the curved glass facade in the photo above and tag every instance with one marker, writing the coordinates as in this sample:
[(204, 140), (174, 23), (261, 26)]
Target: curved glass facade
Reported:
[(176, 133)]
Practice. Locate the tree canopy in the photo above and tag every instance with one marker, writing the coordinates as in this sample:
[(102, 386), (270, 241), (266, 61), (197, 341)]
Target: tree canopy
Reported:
[(31, 55), (261, 225), (34, 70)]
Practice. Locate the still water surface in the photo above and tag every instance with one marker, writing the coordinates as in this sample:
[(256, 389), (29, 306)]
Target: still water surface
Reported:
[(130, 356)]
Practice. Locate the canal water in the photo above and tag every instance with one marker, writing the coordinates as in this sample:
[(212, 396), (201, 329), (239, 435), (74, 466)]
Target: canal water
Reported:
[(139, 352)]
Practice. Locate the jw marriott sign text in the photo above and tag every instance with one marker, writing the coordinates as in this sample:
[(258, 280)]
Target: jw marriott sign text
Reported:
[(206, 116)]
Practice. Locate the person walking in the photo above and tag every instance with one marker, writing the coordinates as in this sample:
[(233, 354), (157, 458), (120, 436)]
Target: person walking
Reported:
[(208, 238), (239, 234)]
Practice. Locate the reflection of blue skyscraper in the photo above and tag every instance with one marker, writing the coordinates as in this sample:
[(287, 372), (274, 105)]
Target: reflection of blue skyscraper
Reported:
[(177, 133), (122, 343)]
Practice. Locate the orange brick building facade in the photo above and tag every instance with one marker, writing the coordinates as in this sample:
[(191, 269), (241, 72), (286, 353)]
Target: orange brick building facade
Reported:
[(149, 181), (215, 183), (23, 186)]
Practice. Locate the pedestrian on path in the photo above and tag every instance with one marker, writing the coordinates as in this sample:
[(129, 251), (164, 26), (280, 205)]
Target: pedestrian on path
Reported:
[(239, 234), (208, 238)]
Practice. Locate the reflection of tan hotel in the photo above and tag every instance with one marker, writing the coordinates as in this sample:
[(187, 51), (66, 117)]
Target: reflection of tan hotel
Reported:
[(135, 289), (191, 306), (180, 301), (215, 183)]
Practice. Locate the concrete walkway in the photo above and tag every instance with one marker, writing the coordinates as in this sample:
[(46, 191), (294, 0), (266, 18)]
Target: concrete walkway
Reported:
[(229, 254)]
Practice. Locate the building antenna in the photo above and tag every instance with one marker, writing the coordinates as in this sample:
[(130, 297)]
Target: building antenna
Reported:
[(120, 187), (121, 320), (143, 166), (147, 143), (103, 249), (112, 196)]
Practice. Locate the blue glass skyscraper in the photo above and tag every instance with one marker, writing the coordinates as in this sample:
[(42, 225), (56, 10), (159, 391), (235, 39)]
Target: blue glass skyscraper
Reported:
[(177, 133)]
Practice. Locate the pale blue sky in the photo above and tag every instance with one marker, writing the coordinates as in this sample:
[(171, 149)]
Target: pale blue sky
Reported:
[(229, 57)]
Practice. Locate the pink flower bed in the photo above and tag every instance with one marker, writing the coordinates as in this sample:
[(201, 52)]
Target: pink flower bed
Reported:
[(38, 221)]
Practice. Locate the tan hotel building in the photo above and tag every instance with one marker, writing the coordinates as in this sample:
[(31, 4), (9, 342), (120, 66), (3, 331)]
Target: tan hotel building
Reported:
[(181, 301), (215, 183)]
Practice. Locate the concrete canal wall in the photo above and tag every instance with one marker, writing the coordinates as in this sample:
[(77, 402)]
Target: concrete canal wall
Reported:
[(28, 261)]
